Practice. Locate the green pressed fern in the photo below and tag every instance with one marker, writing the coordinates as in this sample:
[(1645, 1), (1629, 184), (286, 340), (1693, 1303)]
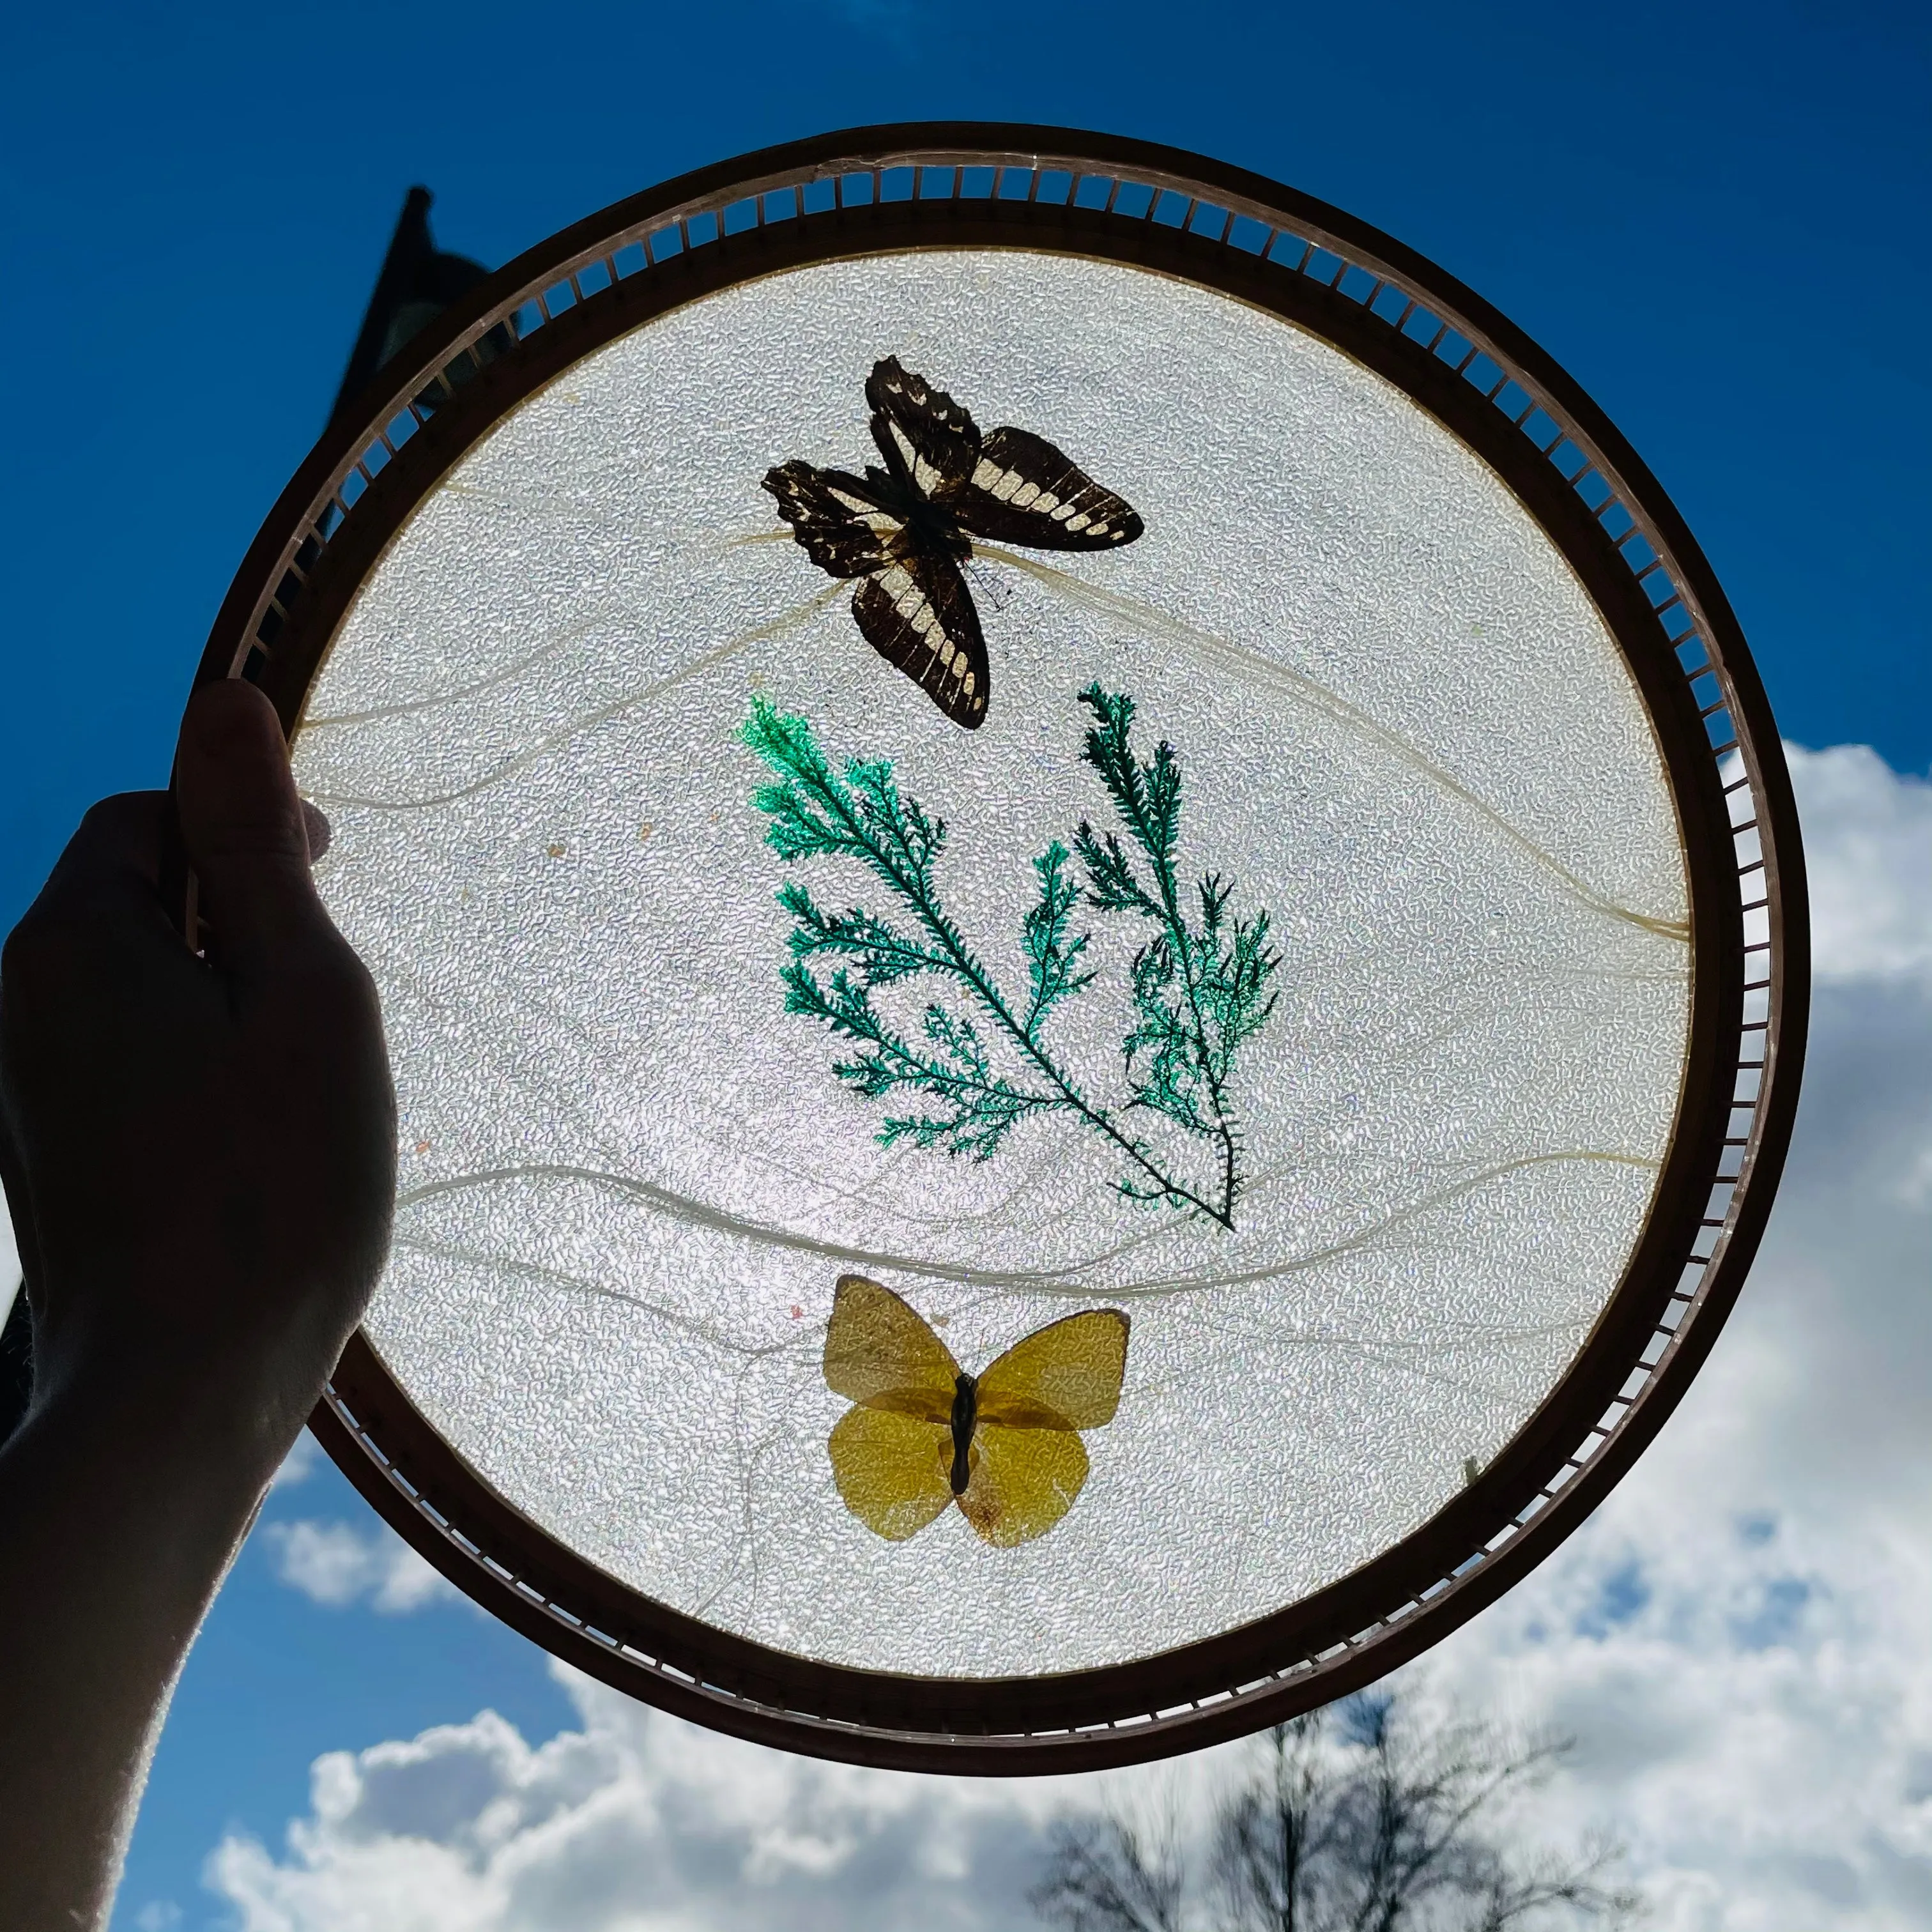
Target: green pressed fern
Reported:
[(1198, 986)]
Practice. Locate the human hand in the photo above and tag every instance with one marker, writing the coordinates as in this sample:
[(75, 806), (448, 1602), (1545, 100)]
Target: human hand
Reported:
[(200, 1158), (199, 1153)]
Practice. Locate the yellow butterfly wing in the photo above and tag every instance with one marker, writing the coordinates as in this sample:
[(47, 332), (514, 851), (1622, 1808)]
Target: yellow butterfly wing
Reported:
[(1032, 1401), (1066, 1376), (893, 1471), (1024, 1481), (892, 1455), (880, 1351)]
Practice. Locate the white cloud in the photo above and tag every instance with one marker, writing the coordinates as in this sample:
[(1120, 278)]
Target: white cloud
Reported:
[(1739, 1640), (1868, 835), (338, 1564), (634, 1821), (303, 1459)]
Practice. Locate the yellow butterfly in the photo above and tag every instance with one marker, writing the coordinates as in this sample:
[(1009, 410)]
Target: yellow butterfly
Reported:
[(922, 1433)]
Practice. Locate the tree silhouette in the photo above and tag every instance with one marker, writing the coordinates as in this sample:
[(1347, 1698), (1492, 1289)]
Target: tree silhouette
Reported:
[(1357, 1818)]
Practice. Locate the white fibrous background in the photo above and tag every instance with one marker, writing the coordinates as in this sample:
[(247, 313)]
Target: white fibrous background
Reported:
[(631, 1179)]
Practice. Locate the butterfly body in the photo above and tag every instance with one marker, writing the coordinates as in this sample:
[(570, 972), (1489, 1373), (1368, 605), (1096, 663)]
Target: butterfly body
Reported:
[(965, 1415), (925, 528), (922, 1433), (903, 530)]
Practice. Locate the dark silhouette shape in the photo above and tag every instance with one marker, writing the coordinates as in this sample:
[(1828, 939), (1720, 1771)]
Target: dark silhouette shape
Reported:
[(418, 282)]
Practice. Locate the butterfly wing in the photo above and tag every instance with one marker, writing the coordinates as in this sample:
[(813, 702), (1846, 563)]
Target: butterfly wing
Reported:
[(915, 610), (893, 1471), (1023, 490), (828, 522), (880, 1351), (930, 435), (1024, 1481), (1033, 1401), (1065, 1376)]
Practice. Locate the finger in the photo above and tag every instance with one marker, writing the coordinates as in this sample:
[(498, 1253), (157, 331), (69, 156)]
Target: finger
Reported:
[(241, 822), (114, 856), (101, 900), (98, 925)]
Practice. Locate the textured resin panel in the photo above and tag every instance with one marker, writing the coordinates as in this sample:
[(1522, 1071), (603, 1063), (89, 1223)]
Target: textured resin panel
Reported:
[(1443, 1077)]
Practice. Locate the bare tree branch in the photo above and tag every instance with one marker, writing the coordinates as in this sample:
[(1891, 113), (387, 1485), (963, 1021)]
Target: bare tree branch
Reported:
[(1106, 1876), (1267, 1838), (1355, 1819)]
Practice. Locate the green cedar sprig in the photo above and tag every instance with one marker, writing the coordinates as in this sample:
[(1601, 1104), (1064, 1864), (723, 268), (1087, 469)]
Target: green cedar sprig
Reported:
[(1201, 987), (1198, 986)]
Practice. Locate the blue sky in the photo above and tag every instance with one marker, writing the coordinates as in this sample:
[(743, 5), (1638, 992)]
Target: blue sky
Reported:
[(1713, 214)]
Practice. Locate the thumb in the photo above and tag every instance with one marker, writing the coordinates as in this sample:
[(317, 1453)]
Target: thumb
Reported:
[(241, 824)]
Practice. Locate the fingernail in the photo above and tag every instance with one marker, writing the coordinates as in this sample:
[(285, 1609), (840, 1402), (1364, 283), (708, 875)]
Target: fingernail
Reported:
[(318, 829)]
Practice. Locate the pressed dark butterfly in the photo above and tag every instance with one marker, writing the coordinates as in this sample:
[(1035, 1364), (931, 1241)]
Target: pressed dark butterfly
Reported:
[(921, 1433), (906, 529)]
